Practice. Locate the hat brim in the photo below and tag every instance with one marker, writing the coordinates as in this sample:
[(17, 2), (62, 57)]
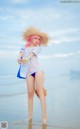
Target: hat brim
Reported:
[(33, 31)]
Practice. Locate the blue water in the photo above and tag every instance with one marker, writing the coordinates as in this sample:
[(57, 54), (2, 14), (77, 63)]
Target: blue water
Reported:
[(63, 100), (62, 81)]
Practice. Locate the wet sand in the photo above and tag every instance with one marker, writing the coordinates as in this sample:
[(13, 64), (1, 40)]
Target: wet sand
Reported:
[(62, 101)]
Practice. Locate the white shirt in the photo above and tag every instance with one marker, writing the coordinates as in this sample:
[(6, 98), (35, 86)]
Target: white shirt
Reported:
[(32, 65)]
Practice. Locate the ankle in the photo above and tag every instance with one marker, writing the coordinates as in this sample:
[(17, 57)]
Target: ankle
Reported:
[(30, 118), (44, 120)]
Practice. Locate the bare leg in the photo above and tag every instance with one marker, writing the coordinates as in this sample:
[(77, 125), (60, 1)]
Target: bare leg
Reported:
[(39, 87), (30, 86)]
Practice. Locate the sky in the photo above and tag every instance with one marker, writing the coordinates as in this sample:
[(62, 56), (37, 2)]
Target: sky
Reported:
[(60, 20)]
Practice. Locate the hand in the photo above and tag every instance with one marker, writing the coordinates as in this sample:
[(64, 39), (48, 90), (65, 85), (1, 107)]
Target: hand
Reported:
[(19, 61), (26, 59), (22, 61)]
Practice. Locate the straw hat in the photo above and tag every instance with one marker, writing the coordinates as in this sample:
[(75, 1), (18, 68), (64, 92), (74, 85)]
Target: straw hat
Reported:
[(34, 31)]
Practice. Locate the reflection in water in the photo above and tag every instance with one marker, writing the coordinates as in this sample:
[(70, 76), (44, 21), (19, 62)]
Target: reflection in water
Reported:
[(30, 125), (43, 126)]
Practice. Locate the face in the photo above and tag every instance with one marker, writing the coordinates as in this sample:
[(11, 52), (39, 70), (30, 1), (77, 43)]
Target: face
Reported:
[(36, 40)]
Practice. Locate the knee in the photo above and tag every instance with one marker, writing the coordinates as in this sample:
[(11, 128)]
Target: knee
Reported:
[(39, 91), (30, 94)]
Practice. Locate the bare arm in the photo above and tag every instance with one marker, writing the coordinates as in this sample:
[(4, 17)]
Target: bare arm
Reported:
[(20, 60), (30, 55)]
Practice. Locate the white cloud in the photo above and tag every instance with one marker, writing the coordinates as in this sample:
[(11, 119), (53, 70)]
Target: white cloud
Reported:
[(62, 32), (17, 1), (25, 15), (7, 17), (9, 54), (47, 17), (60, 55), (64, 40), (64, 36), (10, 47)]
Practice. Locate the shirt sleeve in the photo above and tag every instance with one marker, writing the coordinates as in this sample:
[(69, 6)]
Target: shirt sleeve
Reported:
[(36, 50), (22, 49)]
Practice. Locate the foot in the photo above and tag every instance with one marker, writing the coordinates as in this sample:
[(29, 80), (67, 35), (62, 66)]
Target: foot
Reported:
[(30, 119), (44, 121)]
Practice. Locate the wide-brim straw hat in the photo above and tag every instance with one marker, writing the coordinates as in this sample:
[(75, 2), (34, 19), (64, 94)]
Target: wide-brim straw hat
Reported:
[(34, 31)]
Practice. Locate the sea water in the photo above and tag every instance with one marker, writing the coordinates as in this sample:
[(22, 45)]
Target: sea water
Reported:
[(62, 82)]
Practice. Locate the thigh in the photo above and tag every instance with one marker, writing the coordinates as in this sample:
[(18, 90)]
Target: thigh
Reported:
[(39, 79), (30, 83)]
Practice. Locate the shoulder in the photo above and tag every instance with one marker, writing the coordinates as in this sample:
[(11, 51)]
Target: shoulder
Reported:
[(37, 48)]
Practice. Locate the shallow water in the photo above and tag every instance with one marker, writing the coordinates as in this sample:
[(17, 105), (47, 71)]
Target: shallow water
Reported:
[(63, 103)]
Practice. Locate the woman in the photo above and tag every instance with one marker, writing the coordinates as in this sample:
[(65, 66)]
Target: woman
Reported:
[(30, 68)]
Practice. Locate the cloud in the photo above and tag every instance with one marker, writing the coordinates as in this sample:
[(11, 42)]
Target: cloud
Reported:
[(62, 32), (75, 74), (7, 18), (65, 36), (17, 1), (60, 55), (9, 54), (46, 14), (64, 40), (25, 15), (46, 18), (10, 47)]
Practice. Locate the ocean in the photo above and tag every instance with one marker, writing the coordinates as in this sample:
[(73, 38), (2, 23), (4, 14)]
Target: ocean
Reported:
[(62, 82), (62, 101)]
